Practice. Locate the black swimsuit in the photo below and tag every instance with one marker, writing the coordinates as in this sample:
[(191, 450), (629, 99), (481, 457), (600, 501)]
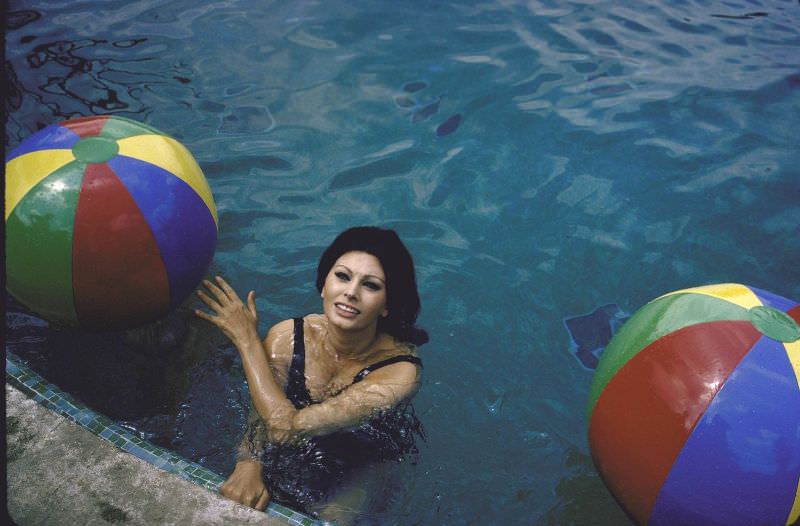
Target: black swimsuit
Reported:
[(296, 389), (301, 474)]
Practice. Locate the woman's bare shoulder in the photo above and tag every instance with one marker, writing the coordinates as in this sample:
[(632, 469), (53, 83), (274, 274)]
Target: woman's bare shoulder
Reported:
[(279, 340), (281, 328), (388, 348)]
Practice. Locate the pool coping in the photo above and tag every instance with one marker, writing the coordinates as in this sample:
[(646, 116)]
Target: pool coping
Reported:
[(47, 395)]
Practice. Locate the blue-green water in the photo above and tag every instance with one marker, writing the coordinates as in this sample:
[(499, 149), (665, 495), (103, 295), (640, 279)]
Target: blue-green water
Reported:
[(604, 154)]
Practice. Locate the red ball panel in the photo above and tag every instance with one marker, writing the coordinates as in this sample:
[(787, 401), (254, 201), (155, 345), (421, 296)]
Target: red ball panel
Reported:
[(118, 276), (86, 126)]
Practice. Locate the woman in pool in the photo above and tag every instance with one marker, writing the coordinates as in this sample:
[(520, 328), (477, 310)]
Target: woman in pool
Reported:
[(330, 391)]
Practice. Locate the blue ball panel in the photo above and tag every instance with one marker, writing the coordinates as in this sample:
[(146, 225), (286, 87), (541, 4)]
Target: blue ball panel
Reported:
[(773, 300), (53, 137), (741, 463), (182, 224)]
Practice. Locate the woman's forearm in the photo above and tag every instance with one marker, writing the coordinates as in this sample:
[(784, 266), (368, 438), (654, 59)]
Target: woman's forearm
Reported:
[(238, 321), (254, 439), (268, 398)]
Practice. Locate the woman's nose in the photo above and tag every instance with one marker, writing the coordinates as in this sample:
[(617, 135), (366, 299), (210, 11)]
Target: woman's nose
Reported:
[(351, 291)]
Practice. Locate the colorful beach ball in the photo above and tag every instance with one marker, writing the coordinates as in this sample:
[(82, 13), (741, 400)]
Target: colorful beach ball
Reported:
[(694, 412), (109, 223)]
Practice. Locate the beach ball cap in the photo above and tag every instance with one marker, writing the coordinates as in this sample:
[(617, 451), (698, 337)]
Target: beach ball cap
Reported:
[(95, 149), (694, 409), (110, 223), (774, 324)]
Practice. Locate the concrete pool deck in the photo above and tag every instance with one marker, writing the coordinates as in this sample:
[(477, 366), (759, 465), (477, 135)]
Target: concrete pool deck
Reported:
[(59, 473)]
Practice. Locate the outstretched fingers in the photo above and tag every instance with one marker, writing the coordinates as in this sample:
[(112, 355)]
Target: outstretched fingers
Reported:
[(251, 302), (208, 300), (224, 293), (237, 319), (214, 303), (227, 289), (206, 316), (218, 293)]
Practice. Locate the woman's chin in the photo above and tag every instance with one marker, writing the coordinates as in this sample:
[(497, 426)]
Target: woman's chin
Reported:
[(348, 322)]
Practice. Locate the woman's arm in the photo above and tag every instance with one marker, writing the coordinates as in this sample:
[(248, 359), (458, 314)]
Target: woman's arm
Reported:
[(380, 390), (246, 484), (255, 438), (239, 323)]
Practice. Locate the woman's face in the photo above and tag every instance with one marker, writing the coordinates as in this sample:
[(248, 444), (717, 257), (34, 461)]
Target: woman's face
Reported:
[(354, 294)]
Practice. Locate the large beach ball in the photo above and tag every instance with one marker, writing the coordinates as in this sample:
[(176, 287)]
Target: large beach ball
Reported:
[(109, 223), (694, 412)]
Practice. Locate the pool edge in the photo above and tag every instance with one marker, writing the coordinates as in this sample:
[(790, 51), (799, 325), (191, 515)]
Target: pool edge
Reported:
[(106, 433)]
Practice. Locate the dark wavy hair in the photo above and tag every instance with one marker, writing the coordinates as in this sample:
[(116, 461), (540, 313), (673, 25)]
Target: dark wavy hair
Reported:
[(402, 298)]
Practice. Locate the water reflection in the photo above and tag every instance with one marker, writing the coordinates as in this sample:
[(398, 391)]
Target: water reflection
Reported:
[(19, 19), (81, 77)]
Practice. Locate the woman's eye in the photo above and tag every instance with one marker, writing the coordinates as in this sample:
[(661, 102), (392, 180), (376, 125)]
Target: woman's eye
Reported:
[(372, 286), (342, 276)]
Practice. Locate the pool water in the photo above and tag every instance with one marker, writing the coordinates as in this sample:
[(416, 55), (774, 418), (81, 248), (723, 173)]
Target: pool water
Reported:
[(541, 159)]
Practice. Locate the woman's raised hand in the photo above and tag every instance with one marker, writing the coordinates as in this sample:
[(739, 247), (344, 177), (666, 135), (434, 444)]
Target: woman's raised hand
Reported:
[(235, 319)]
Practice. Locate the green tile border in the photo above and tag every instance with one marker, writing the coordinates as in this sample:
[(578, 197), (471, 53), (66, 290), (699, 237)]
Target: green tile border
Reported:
[(34, 386)]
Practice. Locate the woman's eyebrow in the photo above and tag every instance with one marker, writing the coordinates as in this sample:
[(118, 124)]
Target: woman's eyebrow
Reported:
[(367, 276)]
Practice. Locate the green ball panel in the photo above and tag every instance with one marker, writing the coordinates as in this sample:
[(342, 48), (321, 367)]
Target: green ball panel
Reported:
[(39, 245), (656, 319)]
